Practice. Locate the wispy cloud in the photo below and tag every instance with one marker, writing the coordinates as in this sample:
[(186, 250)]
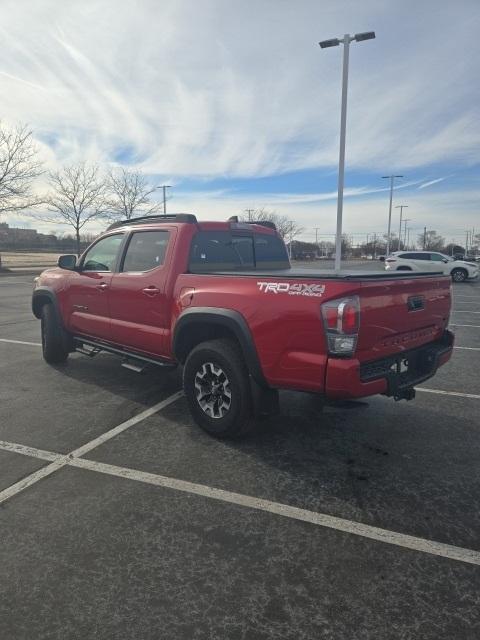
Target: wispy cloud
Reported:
[(185, 96), (192, 99), (430, 182)]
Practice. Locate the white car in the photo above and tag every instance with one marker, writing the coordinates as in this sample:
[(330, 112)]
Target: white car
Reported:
[(431, 261)]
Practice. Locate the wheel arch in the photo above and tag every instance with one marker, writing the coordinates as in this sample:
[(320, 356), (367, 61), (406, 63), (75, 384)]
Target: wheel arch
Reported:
[(42, 296), (206, 323)]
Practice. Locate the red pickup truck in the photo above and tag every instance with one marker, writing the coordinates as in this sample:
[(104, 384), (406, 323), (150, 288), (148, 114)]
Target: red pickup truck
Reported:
[(222, 299)]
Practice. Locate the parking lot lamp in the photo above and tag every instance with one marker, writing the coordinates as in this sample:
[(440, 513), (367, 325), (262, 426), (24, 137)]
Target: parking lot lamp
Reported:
[(164, 187), (405, 232), (334, 42), (401, 207), (391, 178)]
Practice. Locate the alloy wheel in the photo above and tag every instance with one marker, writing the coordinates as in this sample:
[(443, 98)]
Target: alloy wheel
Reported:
[(212, 390)]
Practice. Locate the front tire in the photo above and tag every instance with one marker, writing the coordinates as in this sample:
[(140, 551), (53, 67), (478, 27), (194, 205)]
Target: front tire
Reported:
[(216, 384), (459, 275), (53, 336)]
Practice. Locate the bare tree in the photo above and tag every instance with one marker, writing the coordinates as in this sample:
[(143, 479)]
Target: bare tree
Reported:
[(19, 167), (475, 248), (287, 228), (431, 241), (78, 195), (130, 194)]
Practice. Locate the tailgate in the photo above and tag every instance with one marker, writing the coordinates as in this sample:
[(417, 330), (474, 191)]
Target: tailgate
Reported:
[(401, 314)]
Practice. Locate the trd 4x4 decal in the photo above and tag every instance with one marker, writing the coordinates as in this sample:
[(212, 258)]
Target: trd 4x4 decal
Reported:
[(303, 289)]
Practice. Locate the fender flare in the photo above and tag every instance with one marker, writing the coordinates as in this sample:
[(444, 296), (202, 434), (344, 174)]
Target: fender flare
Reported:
[(38, 297), (228, 318)]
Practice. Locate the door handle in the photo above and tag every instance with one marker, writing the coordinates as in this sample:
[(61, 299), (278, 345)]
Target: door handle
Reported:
[(151, 291), (102, 286)]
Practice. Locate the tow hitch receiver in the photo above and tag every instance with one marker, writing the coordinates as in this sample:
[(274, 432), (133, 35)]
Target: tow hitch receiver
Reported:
[(405, 394)]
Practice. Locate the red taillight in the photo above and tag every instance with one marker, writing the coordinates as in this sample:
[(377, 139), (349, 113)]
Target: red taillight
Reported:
[(331, 317), (341, 319), (350, 318)]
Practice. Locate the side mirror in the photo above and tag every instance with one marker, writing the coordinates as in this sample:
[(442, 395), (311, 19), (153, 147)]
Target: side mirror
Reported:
[(68, 262), (444, 260)]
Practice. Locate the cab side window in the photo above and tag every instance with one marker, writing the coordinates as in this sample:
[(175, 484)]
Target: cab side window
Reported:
[(146, 250), (224, 251), (270, 252), (103, 255), (220, 251)]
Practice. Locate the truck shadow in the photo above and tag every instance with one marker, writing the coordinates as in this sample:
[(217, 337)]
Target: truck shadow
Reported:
[(107, 373), (402, 466)]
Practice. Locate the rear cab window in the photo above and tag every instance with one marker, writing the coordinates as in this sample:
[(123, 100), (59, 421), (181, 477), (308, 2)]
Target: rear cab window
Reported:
[(227, 251), (146, 251)]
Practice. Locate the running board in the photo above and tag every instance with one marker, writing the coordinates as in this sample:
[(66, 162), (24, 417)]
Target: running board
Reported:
[(134, 367), (131, 360), (90, 352)]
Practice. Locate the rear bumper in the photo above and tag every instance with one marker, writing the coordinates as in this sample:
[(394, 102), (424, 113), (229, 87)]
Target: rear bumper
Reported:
[(391, 376)]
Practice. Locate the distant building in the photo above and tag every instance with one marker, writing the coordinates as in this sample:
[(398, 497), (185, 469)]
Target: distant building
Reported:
[(24, 238)]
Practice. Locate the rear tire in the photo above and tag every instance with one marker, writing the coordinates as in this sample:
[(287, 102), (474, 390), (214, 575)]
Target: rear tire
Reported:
[(459, 275), (53, 336), (217, 387)]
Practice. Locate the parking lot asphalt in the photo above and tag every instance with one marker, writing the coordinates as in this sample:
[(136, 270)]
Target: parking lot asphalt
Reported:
[(155, 530)]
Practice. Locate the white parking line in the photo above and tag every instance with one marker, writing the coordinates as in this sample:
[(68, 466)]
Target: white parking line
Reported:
[(468, 348), (450, 393), (462, 311), (414, 543), (26, 482), (320, 519), (475, 326), (32, 452), (125, 425), (31, 344), (60, 460)]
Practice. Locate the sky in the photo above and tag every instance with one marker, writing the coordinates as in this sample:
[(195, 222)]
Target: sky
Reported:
[(235, 105)]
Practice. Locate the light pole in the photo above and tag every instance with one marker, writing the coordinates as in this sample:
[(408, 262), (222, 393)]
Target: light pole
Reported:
[(405, 233), (401, 207), (391, 178), (290, 247), (164, 187), (346, 40)]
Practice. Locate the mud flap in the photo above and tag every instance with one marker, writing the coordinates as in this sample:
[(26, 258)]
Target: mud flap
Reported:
[(265, 400)]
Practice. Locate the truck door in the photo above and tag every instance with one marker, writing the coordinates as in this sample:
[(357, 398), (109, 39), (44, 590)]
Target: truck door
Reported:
[(138, 300), (87, 295)]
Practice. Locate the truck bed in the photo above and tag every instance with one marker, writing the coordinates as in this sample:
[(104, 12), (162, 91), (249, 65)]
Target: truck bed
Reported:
[(326, 274), (288, 326)]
